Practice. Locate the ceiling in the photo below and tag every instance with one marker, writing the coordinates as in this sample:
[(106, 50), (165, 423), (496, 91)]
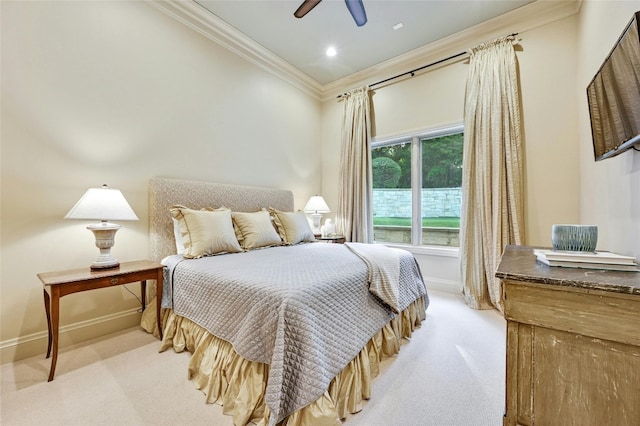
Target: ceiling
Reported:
[(303, 42)]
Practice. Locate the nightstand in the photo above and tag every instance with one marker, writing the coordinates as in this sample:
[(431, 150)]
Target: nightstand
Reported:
[(61, 283), (336, 239)]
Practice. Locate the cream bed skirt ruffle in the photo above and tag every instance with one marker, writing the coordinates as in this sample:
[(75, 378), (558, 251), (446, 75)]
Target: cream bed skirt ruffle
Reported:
[(239, 385)]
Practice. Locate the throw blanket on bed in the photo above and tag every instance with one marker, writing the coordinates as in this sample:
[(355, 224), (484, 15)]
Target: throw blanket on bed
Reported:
[(383, 264), (305, 310)]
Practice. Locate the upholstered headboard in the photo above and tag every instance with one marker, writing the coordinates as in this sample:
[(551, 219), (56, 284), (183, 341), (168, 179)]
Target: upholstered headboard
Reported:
[(164, 193)]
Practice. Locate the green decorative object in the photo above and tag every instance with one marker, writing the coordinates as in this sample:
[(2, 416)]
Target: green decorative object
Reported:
[(574, 237)]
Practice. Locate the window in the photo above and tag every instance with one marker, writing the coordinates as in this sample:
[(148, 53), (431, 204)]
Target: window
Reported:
[(417, 183)]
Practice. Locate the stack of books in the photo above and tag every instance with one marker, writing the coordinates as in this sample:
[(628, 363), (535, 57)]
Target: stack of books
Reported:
[(589, 260)]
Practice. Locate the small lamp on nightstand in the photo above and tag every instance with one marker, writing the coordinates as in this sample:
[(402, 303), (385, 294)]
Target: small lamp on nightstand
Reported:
[(315, 207), (103, 204)]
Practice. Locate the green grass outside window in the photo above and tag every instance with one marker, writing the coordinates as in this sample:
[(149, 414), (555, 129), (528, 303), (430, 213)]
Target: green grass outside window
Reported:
[(429, 222)]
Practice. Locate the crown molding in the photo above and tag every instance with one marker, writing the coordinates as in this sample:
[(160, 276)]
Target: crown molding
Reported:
[(209, 25), (525, 18)]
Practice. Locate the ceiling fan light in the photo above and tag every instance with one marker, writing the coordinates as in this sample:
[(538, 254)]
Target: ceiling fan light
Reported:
[(356, 8)]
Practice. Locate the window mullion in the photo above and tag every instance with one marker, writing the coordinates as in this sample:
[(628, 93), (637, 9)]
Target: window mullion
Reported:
[(396, 200), (416, 191)]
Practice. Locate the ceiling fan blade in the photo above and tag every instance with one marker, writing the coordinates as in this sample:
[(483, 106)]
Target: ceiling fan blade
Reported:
[(305, 8), (356, 8)]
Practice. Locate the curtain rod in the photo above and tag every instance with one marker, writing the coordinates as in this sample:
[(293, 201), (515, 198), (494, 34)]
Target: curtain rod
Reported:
[(412, 72)]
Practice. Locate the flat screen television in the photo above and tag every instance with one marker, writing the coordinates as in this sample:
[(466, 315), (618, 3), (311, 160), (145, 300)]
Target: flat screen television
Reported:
[(614, 96)]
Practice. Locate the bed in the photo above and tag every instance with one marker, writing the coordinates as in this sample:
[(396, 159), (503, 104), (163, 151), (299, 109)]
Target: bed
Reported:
[(281, 330)]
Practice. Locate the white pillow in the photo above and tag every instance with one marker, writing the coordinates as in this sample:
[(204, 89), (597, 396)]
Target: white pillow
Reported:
[(177, 235)]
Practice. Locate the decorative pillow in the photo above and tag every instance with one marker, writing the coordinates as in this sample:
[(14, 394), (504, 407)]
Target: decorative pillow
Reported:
[(177, 235), (255, 230), (293, 227), (206, 232)]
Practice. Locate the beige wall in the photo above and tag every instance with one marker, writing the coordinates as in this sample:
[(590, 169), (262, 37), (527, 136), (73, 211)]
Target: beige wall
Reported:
[(118, 92), (547, 65), (563, 184), (428, 100), (609, 189)]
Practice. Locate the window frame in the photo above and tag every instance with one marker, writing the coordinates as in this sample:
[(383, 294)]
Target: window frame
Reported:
[(415, 138)]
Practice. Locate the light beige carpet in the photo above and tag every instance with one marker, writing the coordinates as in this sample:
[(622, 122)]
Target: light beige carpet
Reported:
[(450, 374)]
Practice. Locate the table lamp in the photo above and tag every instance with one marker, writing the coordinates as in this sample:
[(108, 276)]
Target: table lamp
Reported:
[(103, 204), (315, 207)]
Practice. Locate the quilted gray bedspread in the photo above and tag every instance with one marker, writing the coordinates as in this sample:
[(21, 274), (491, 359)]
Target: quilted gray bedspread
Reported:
[(305, 310)]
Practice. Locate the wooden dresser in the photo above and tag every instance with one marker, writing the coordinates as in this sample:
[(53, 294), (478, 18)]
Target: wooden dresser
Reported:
[(573, 343)]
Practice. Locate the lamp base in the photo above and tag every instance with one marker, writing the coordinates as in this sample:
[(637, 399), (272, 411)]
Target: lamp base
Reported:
[(113, 263), (105, 233), (315, 220)]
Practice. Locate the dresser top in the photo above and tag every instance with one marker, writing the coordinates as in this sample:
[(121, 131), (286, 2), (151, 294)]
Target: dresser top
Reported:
[(519, 263)]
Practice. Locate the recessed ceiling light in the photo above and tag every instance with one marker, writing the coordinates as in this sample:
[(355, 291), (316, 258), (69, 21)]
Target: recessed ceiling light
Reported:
[(397, 26), (331, 51)]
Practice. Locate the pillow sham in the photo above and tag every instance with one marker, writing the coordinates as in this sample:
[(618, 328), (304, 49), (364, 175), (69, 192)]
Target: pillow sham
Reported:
[(177, 236), (255, 230), (205, 232), (293, 227)]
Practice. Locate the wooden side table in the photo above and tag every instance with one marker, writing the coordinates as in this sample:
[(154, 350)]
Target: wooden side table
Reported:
[(60, 283)]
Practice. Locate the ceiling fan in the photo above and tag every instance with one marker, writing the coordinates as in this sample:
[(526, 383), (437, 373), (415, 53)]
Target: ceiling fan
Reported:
[(356, 8)]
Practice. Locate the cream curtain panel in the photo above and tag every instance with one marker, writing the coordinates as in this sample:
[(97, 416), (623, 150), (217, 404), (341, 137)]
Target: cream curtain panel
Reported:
[(492, 202), (354, 217)]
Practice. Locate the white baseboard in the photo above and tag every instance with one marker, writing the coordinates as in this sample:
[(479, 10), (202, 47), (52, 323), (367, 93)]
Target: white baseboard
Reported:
[(446, 286), (36, 343)]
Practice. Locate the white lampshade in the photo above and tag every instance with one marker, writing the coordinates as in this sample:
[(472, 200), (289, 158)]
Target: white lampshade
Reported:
[(103, 204), (316, 204)]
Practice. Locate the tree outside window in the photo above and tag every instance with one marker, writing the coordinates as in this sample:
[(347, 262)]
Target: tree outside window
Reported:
[(428, 214)]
